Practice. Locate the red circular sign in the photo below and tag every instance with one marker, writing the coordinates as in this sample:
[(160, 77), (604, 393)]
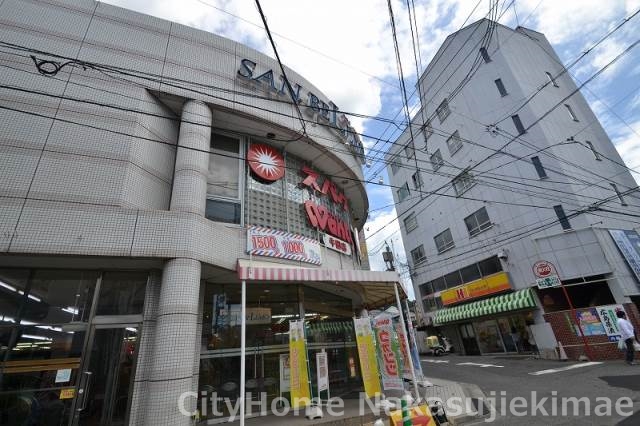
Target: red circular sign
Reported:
[(266, 162), (542, 269)]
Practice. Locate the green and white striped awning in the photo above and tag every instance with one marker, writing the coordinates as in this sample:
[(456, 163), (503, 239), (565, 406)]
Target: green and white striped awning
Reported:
[(521, 299)]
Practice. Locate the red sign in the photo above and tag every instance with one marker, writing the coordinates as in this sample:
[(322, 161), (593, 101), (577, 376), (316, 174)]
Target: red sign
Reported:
[(327, 187), (389, 357), (542, 269), (265, 162), (320, 217)]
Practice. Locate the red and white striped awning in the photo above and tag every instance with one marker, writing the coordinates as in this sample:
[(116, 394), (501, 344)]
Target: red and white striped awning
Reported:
[(376, 288), (264, 271)]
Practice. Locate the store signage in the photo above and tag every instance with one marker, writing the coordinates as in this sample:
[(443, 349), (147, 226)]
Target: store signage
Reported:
[(546, 274), (628, 243), (336, 244), (322, 371), (63, 376), (67, 393), (253, 316), (367, 355), (387, 353), (285, 373), (609, 320), (321, 218), (327, 187), (274, 243), (590, 322), (265, 162), (324, 112), (492, 284)]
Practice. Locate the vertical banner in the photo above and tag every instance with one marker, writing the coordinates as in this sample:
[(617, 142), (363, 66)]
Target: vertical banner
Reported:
[(610, 320), (219, 312), (285, 373), (404, 351), (387, 353), (299, 379), (367, 355), (322, 371), (415, 354)]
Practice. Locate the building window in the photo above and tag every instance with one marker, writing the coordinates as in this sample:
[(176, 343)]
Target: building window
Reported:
[(519, 127), (501, 88), (463, 182), (453, 279), (444, 241), (551, 79), (224, 180), (395, 166), (571, 113), (436, 160), (454, 143), (417, 180), (562, 217), (417, 255), (542, 174), (485, 55), (427, 131), (403, 192), (619, 194), (409, 149), (410, 222), (478, 222), (443, 111), (596, 154)]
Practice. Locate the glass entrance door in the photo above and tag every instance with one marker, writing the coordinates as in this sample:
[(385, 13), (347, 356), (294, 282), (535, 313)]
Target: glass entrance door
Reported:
[(106, 382)]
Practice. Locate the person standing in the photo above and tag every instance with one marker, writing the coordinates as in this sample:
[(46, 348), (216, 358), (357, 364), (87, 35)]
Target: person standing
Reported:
[(628, 334)]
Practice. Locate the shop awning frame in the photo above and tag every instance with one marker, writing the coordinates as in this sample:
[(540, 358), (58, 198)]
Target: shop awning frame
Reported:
[(518, 300)]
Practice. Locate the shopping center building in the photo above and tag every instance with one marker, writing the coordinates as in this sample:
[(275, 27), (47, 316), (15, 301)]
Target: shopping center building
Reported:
[(148, 169), (507, 187)]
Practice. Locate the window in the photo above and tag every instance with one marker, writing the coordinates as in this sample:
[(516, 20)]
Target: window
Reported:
[(593, 149), (463, 182), (426, 288), (542, 174), (619, 194), (485, 55), (453, 279), (439, 284), (501, 88), (436, 160), (490, 266), (551, 79), (224, 179), (443, 111), (427, 131), (410, 222), (454, 143), (519, 127), (409, 150), (571, 113), (417, 255), (444, 241), (477, 222), (470, 273), (395, 166), (403, 192), (564, 221), (417, 180)]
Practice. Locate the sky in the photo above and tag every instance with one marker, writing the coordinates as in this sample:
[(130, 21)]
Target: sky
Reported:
[(346, 49)]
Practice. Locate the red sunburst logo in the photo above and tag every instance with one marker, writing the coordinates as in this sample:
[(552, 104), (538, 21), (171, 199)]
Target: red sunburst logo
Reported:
[(266, 162)]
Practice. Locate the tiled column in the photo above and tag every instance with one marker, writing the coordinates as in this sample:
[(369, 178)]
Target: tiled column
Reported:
[(145, 349), (172, 368)]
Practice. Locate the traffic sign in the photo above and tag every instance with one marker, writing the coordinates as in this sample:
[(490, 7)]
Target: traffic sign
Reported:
[(543, 269), (548, 282)]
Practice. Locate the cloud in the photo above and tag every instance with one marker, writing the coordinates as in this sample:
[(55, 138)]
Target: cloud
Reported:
[(627, 142)]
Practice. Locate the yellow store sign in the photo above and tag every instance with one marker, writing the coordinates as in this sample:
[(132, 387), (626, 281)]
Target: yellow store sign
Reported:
[(492, 284)]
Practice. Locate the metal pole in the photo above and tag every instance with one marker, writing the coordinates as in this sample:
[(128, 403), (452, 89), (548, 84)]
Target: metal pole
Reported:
[(243, 348), (587, 348), (406, 342)]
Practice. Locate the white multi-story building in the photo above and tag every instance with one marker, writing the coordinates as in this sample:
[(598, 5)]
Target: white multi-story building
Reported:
[(506, 166)]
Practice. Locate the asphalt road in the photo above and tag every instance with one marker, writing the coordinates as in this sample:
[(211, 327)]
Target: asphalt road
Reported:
[(544, 385)]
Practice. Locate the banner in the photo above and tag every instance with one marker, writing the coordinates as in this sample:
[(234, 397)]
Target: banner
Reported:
[(322, 371), (610, 320), (299, 379), (275, 243), (218, 312), (415, 354), (285, 373), (404, 351), (387, 347), (590, 322), (367, 355)]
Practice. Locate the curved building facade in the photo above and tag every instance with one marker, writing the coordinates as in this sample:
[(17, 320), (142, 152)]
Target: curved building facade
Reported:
[(148, 169)]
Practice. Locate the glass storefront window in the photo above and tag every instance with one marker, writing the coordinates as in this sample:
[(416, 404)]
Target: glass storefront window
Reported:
[(489, 337), (122, 293)]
